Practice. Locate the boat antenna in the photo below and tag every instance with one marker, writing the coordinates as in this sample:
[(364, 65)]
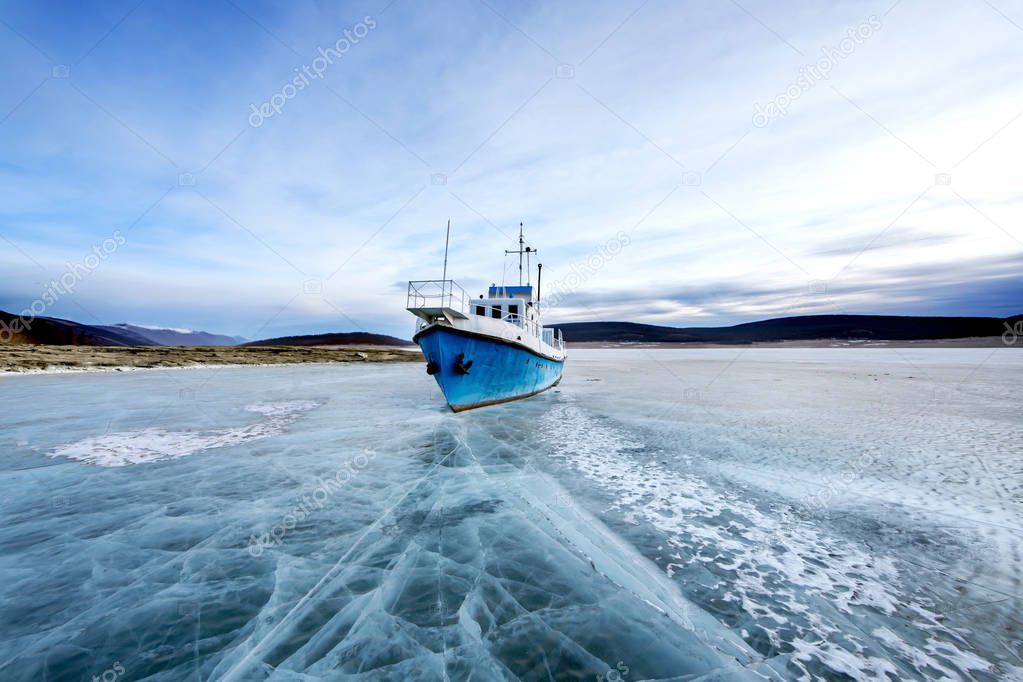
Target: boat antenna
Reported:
[(523, 250), (447, 238), (539, 272), (520, 251)]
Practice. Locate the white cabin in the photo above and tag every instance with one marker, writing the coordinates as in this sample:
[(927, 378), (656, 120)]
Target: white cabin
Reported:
[(506, 313)]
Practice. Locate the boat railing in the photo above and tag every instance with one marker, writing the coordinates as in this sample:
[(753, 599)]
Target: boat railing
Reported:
[(436, 293), (552, 337), (514, 318)]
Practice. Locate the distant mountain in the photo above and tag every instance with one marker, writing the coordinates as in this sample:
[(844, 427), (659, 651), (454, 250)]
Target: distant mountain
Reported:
[(54, 331), (801, 328), (176, 337), (334, 339), (58, 332)]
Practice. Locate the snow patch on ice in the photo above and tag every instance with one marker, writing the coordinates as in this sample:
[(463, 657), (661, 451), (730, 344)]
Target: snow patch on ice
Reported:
[(779, 568), (151, 445), (283, 408)]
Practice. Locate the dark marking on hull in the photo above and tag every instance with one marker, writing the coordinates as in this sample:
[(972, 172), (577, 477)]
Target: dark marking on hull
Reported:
[(486, 403)]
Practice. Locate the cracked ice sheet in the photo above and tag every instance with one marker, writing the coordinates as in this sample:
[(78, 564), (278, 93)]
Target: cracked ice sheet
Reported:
[(491, 572), (487, 568), (749, 491), (126, 541)]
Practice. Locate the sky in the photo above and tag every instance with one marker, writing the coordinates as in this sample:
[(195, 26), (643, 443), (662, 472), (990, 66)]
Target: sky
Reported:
[(261, 169)]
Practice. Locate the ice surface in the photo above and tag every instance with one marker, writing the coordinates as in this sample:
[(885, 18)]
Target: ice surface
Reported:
[(150, 445), (663, 515)]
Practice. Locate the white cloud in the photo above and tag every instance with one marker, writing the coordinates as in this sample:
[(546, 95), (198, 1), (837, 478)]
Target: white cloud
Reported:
[(457, 91)]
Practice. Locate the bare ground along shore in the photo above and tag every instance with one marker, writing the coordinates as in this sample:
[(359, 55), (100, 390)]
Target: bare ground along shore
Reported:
[(20, 358)]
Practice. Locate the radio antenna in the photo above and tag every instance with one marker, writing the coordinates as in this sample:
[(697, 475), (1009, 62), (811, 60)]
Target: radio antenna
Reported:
[(539, 272), (447, 238), (522, 250)]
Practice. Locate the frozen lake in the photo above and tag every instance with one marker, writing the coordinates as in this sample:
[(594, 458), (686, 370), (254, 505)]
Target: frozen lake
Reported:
[(718, 514)]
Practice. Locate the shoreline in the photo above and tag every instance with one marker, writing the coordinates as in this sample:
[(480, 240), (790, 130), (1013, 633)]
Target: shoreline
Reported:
[(22, 360), (35, 360), (968, 342)]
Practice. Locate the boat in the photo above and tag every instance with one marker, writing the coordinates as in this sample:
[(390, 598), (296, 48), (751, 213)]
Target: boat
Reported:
[(489, 350)]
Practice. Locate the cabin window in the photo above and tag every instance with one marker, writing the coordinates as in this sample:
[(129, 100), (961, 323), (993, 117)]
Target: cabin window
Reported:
[(481, 310), (513, 310), (495, 312)]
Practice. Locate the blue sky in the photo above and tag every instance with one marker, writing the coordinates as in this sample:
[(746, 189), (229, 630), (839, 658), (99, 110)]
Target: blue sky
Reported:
[(884, 176)]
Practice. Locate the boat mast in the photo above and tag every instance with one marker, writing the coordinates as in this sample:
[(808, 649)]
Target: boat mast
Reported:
[(520, 253), (522, 250)]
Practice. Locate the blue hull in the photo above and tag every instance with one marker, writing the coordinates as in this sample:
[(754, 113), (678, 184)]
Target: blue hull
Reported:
[(500, 371)]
